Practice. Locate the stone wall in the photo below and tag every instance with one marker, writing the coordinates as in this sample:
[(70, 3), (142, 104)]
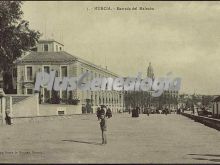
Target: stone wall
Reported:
[(210, 122), (52, 109), (112, 98), (27, 108)]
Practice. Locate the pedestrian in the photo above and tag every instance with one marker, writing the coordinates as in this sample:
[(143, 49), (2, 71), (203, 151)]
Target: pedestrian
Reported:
[(83, 109), (109, 113), (103, 109), (133, 112), (197, 111), (166, 111), (98, 113), (147, 111), (137, 112), (8, 118), (103, 126), (193, 110)]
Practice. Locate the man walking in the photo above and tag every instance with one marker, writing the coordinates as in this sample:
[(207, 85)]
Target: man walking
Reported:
[(148, 112), (98, 113), (8, 117), (109, 113), (103, 126)]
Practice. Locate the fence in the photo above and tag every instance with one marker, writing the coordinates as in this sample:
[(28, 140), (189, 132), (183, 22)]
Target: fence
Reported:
[(210, 122)]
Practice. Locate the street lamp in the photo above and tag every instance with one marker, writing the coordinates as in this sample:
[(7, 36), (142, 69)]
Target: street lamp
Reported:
[(2, 93)]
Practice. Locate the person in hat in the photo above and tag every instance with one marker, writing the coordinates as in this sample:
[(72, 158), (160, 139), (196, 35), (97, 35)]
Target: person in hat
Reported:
[(103, 109), (98, 113), (109, 113), (103, 126), (8, 117)]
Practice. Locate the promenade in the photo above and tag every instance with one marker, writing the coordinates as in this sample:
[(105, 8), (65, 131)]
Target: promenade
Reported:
[(77, 139)]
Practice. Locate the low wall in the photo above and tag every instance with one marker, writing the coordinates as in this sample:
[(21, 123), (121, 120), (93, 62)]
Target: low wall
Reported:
[(27, 107), (52, 109), (30, 111), (37, 119), (210, 122)]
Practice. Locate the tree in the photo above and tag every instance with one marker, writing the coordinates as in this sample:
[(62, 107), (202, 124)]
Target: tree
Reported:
[(15, 38), (206, 100)]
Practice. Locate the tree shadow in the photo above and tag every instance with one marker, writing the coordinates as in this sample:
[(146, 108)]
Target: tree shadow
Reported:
[(204, 155), (85, 142), (213, 160)]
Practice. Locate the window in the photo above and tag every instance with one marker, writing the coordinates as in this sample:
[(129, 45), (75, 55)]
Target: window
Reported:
[(64, 95), (47, 69), (60, 48), (46, 47), (92, 75), (29, 91), (46, 94), (64, 71), (56, 73), (95, 99), (61, 112), (29, 73), (14, 72)]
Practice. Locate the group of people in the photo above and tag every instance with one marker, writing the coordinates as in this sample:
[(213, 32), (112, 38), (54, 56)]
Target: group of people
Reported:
[(165, 111), (102, 113), (136, 111)]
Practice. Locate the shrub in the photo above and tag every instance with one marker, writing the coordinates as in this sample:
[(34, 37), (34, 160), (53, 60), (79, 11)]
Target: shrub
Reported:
[(55, 100), (73, 101)]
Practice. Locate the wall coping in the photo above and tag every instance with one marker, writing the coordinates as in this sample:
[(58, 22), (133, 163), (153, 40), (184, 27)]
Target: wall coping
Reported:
[(204, 117), (20, 117)]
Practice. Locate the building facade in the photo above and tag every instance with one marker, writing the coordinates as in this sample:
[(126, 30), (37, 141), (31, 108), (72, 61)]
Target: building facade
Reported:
[(216, 107), (49, 55), (1, 80), (144, 99)]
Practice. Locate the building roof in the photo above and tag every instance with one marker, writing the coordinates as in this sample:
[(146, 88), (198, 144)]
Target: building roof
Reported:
[(216, 99), (49, 40), (56, 57), (47, 57)]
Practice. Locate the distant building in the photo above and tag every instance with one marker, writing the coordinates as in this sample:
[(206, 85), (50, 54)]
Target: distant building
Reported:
[(49, 55), (168, 99), (144, 99), (150, 71)]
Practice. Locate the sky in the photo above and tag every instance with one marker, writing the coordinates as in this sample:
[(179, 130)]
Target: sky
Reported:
[(178, 37)]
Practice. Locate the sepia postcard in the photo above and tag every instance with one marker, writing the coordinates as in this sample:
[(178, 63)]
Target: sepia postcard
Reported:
[(110, 82)]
